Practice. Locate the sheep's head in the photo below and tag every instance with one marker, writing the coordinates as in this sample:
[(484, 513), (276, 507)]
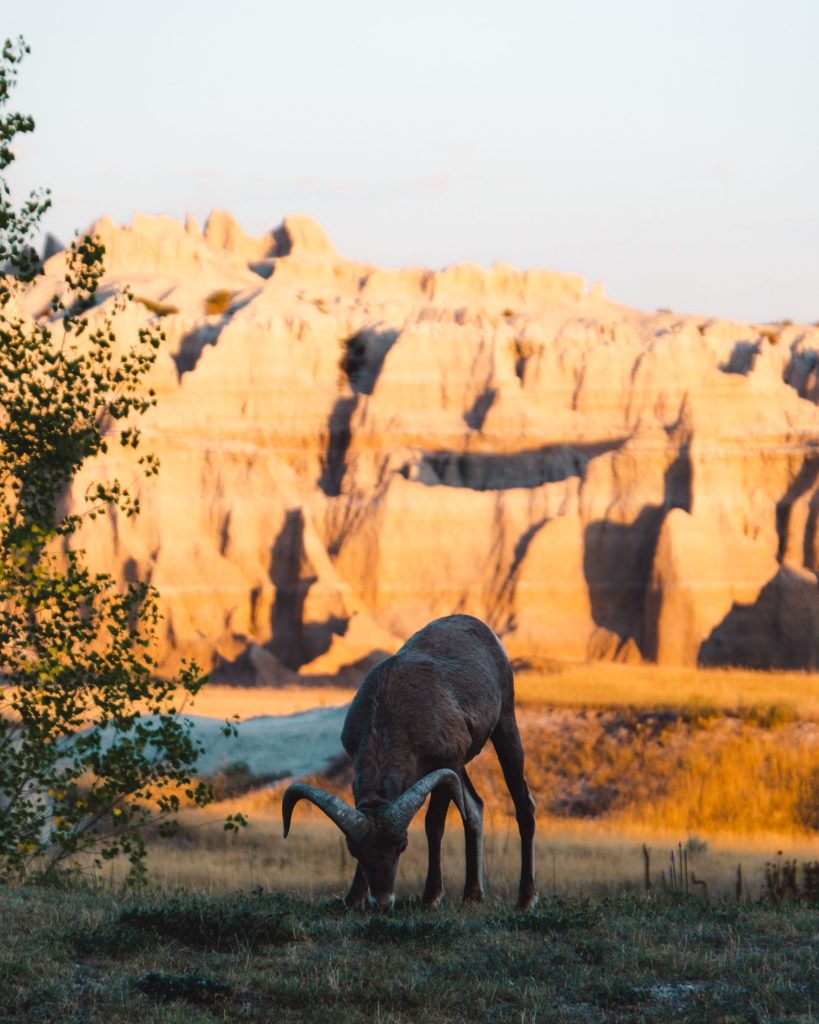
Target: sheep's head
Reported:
[(376, 837), (378, 854)]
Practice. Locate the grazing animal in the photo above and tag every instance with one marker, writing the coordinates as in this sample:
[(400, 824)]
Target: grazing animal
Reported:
[(416, 720)]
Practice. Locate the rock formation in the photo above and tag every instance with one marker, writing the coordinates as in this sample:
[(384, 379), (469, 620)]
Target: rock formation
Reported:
[(349, 451)]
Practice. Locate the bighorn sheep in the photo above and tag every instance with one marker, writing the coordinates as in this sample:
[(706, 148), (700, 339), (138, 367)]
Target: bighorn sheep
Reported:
[(417, 719)]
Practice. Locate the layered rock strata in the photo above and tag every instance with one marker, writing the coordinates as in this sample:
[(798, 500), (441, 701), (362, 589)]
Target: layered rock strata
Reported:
[(349, 451)]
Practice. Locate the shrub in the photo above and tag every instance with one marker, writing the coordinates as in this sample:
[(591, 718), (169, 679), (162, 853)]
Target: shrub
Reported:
[(237, 778), (768, 716), (159, 308), (695, 846), (80, 768), (218, 302)]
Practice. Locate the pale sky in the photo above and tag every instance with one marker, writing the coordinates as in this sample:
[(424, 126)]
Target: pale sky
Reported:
[(669, 148)]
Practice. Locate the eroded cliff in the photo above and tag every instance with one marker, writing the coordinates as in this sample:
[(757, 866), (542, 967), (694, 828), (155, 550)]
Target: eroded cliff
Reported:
[(349, 451)]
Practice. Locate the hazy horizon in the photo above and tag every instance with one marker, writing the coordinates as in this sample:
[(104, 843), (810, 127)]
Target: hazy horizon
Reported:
[(666, 150)]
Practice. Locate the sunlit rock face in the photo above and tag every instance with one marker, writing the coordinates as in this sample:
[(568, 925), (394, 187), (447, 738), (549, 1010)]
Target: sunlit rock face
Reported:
[(349, 451)]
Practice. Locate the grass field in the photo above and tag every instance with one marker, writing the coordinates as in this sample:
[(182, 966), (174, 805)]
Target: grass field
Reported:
[(253, 927), (607, 684), (85, 956), (641, 747), (616, 755), (567, 684), (219, 701), (572, 858)]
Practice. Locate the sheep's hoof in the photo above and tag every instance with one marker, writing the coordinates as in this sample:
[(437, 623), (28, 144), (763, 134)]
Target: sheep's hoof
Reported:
[(432, 899), (527, 900)]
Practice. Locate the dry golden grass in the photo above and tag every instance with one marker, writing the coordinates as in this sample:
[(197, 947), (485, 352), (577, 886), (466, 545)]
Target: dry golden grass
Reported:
[(566, 684), (747, 791), (606, 684), (654, 770), (572, 858), (641, 772), (644, 750), (217, 701), (696, 768), (751, 782), (649, 772)]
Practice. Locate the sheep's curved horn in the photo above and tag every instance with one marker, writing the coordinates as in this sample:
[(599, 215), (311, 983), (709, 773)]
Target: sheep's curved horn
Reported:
[(352, 823), (400, 813)]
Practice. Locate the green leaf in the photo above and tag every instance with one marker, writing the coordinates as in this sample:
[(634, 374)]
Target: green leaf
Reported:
[(80, 767)]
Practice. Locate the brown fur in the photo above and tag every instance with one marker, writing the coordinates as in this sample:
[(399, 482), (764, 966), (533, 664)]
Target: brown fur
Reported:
[(433, 705)]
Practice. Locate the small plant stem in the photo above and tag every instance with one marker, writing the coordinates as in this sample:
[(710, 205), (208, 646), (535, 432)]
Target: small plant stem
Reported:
[(647, 867)]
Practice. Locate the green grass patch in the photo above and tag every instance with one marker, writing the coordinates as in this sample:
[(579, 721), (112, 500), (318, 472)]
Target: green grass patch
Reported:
[(556, 916), (67, 956), (192, 987), (240, 920)]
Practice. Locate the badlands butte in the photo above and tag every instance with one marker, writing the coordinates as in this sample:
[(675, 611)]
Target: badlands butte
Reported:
[(349, 451)]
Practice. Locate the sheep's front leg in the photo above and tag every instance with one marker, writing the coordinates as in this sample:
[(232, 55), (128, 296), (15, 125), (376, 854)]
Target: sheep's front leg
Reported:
[(358, 890), (434, 824), (473, 835)]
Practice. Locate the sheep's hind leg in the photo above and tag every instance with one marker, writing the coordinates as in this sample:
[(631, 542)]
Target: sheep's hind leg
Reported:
[(434, 824), (358, 890), (473, 836), (506, 739)]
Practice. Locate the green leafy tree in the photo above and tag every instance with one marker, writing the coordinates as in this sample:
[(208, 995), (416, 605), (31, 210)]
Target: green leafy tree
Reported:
[(92, 746)]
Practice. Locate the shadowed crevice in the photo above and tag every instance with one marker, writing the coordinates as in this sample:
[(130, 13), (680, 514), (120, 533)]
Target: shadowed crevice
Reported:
[(810, 554), (334, 463), (282, 242), (617, 562), (743, 357), (523, 545), (293, 574), (803, 482), (294, 642), (192, 345), (489, 471), (780, 630), (364, 355), (475, 416), (224, 533), (802, 371), (502, 619), (618, 559), (678, 478), (363, 358)]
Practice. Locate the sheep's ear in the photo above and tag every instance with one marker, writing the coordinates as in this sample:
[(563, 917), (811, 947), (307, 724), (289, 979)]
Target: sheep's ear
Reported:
[(352, 823), (400, 813)]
